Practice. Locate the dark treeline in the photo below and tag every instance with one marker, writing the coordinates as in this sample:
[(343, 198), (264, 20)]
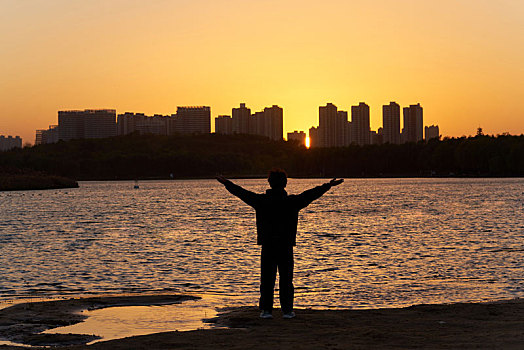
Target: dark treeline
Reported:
[(148, 156)]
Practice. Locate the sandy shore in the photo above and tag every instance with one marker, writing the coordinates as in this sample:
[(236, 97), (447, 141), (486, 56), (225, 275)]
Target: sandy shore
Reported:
[(456, 326), (22, 323)]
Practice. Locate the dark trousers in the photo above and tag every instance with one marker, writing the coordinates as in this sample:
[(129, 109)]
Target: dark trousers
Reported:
[(273, 258)]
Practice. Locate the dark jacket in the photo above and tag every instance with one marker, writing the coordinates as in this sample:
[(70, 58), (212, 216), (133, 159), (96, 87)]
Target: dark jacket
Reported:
[(277, 212)]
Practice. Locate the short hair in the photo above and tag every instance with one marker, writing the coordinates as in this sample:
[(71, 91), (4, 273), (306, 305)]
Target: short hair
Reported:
[(277, 178)]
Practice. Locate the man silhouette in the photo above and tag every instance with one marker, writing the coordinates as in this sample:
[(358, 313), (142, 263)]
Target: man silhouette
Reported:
[(277, 218)]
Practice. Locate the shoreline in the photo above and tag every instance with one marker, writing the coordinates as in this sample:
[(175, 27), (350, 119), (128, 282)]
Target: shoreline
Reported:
[(34, 182), (264, 177), (498, 324), (23, 323)]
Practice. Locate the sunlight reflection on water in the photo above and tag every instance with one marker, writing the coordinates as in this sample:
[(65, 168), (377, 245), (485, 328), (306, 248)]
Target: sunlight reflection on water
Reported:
[(126, 321), (367, 243)]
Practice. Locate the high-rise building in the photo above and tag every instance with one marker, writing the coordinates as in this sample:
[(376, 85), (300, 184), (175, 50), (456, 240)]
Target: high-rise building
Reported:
[(86, 124), (413, 124), (241, 119), (431, 132), (10, 142), (47, 136), (391, 123), (224, 125), (332, 126), (342, 136), (128, 123), (259, 124), (191, 120), (298, 136), (274, 122), (327, 125), (40, 138), (360, 124), (268, 123), (313, 137)]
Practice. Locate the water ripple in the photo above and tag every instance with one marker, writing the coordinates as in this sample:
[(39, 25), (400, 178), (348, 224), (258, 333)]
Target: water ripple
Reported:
[(367, 243)]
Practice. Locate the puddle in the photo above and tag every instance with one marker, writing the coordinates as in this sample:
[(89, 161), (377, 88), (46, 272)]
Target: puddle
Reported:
[(126, 321), (9, 343)]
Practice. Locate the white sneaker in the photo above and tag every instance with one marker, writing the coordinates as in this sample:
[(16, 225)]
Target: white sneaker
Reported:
[(266, 314), (289, 315)]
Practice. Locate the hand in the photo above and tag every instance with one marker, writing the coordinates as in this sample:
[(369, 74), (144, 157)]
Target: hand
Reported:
[(221, 179), (335, 182)]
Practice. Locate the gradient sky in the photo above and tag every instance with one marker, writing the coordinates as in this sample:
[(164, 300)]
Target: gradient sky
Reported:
[(463, 60)]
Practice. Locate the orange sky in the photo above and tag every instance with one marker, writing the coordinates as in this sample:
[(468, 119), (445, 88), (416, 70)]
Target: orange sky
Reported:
[(463, 60)]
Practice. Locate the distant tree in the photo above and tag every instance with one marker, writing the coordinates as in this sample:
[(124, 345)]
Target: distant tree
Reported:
[(479, 131)]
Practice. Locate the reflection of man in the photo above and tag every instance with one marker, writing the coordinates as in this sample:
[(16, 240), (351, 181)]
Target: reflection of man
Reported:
[(277, 218)]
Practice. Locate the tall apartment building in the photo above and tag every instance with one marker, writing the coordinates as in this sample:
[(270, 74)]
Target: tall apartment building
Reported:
[(332, 127), (391, 123), (258, 124), (241, 119), (274, 122), (191, 120), (224, 125), (327, 125), (268, 123), (10, 142), (47, 136), (313, 137), (431, 132), (298, 136), (413, 124), (128, 123), (343, 129), (360, 124), (86, 124)]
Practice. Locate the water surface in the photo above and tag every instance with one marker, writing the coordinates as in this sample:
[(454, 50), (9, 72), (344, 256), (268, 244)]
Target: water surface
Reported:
[(366, 243)]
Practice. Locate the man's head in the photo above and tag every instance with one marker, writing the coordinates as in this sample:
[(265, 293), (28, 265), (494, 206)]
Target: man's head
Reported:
[(277, 179)]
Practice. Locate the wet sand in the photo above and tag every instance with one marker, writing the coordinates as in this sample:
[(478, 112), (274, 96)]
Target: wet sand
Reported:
[(455, 326)]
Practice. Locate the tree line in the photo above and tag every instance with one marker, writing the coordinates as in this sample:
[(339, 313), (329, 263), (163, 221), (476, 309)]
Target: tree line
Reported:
[(203, 156)]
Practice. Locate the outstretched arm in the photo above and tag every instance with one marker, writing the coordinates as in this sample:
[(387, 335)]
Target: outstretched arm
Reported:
[(306, 197), (250, 198)]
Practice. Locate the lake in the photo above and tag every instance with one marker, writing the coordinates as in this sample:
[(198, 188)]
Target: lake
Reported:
[(366, 243)]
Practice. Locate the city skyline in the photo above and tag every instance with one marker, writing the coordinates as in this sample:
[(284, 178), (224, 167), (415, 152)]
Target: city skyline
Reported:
[(335, 128), (377, 125), (462, 62)]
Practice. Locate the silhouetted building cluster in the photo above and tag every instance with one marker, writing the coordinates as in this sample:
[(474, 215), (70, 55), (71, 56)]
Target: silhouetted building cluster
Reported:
[(191, 120), (334, 127), (413, 124), (45, 136), (431, 132), (86, 124), (100, 123), (224, 125), (268, 123), (391, 123), (128, 123), (77, 124), (298, 136), (10, 142), (335, 130)]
